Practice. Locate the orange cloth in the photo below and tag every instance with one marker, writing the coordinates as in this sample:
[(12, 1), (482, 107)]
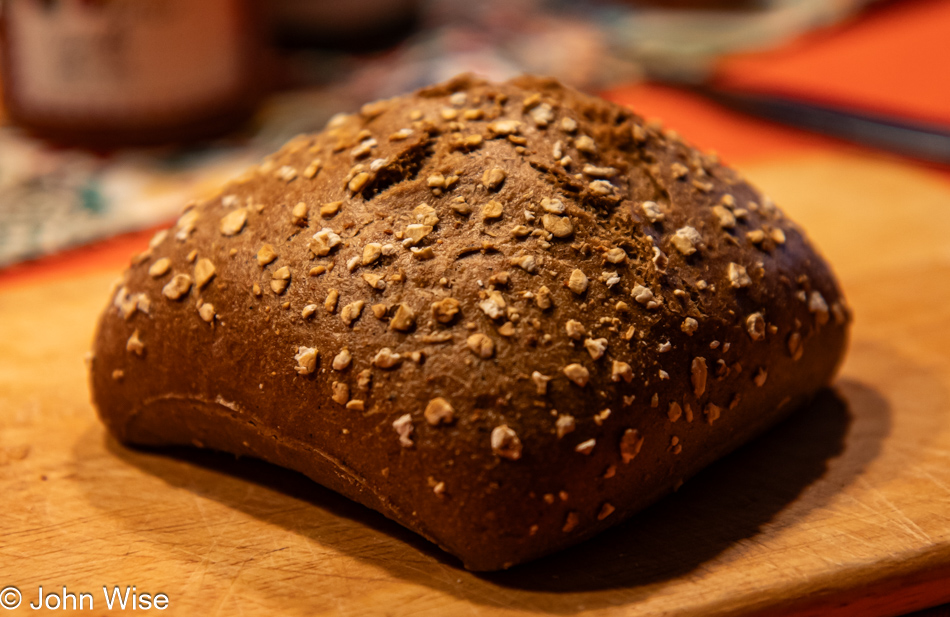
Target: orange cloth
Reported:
[(892, 60), (709, 126), (113, 253)]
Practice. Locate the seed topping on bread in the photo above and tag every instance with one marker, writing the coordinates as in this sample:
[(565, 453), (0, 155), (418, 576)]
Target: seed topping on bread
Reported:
[(523, 252)]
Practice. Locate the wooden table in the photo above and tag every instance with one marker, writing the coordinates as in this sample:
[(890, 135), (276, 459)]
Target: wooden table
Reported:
[(843, 509)]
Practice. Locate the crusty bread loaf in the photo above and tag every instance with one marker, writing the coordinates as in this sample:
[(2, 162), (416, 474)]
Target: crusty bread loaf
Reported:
[(506, 316)]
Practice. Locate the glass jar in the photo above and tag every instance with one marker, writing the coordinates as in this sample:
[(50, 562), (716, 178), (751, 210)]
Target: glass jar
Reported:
[(121, 72)]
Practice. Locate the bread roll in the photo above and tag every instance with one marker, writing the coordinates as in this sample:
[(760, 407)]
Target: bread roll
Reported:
[(507, 316)]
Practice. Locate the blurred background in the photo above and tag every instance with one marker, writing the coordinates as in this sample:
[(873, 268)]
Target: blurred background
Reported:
[(116, 112)]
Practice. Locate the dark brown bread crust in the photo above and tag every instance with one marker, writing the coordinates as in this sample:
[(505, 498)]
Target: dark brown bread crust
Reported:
[(691, 355)]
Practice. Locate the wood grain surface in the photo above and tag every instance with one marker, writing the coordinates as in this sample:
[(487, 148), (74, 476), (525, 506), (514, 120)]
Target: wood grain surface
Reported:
[(844, 509)]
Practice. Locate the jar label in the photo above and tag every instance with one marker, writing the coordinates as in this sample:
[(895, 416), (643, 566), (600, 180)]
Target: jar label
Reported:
[(127, 60)]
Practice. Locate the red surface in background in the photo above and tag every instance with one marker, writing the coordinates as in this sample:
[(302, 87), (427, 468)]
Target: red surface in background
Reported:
[(111, 254), (736, 137), (892, 60)]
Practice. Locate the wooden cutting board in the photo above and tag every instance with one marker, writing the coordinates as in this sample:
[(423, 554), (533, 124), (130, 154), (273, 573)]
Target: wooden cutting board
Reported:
[(843, 509)]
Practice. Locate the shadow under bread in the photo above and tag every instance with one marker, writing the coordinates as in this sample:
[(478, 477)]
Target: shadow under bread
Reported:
[(732, 500)]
